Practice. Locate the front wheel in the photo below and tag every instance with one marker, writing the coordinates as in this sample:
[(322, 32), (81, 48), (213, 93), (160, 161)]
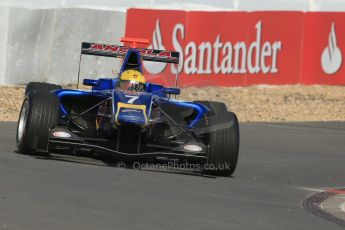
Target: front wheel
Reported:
[(222, 139), (40, 87), (224, 148), (39, 113)]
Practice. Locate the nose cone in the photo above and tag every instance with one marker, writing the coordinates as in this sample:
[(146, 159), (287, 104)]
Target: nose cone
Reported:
[(130, 114), (131, 108)]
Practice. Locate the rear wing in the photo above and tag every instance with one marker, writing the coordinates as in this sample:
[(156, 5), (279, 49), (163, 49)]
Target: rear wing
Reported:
[(105, 50)]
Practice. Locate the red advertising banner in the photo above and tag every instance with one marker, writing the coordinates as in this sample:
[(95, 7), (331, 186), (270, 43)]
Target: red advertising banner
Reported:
[(214, 51), (277, 36), (242, 48), (324, 49)]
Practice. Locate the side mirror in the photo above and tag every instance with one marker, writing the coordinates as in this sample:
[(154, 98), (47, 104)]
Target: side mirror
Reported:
[(174, 91), (90, 82)]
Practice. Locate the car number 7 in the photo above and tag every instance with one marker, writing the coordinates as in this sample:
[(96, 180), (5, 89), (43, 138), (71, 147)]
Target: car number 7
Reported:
[(132, 98)]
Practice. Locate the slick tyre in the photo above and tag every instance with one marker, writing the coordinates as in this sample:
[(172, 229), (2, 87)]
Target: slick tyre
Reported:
[(222, 139), (40, 87), (39, 113)]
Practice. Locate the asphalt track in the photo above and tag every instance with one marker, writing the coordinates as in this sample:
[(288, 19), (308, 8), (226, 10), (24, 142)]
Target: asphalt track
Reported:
[(279, 166)]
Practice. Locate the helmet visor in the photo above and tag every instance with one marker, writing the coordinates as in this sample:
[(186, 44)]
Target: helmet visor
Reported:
[(131, 85)]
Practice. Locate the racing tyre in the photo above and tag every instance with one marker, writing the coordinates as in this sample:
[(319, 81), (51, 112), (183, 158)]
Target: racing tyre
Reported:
[(222, 138), (40, 87), (39, 113)]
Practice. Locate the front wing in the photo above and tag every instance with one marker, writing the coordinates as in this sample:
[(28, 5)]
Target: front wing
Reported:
[(60, 137)]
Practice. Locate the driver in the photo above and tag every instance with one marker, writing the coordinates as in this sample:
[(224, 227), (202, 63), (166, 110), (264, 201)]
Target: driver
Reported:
[(132, 80)]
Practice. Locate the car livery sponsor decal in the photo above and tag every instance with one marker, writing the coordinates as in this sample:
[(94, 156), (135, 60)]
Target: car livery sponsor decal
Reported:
[(193, 148), (61, 134)]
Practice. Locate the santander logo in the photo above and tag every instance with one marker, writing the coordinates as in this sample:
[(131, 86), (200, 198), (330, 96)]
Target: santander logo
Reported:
[(218, 56), (331, 58), (154, 67)]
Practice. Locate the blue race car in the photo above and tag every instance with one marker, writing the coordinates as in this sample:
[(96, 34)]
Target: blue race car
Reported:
[(129, 118)]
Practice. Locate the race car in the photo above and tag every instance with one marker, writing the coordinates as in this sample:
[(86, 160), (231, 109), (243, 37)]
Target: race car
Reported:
[(129, 118)]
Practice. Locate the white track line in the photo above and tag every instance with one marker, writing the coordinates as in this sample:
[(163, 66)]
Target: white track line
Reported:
[(312, 189), (342, 207)]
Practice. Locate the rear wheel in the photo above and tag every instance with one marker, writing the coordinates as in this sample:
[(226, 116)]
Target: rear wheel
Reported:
[(222, 138), (39, 113)]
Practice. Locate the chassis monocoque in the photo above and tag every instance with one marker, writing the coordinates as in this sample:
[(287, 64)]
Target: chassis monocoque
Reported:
[(131, 126)]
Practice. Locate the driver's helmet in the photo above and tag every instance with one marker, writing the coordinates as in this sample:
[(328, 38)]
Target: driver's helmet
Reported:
[(132, 80)]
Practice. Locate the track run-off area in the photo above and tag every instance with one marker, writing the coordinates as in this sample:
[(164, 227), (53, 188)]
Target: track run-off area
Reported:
[(289, 176)]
